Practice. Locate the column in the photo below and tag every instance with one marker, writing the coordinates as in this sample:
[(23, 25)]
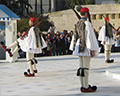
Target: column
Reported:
[(93, 17), (98, 16), (117, 16), (111, 16)]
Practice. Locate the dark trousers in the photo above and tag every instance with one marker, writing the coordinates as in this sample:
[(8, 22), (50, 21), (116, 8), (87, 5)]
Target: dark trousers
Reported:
[(58, 51)]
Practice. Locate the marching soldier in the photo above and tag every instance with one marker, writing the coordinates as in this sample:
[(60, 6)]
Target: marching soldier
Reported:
[(31, 44)]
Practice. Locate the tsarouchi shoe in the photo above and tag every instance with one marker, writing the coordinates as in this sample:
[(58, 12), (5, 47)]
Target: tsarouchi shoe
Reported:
[(109, 61), (5, 49), (29, 74), (89, 89), (35, 71)]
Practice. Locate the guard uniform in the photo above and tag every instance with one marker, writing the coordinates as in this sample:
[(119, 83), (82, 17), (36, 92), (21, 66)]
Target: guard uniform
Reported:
[(107, 39), (33, 43), (83, 44)]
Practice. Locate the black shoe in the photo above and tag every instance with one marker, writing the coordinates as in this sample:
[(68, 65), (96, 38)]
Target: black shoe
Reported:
[(29, 75), (89, 89), (2, 43), (112, 60), (109, 61)]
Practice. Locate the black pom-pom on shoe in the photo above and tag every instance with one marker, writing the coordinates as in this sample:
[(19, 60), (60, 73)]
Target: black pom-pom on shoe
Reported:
[(94, 87), (28, 70), (25, 73), (2, 43)]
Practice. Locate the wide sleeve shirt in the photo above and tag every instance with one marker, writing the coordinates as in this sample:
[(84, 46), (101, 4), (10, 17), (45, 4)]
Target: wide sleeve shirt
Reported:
[(90, 41), (29, 43), (102, 37)]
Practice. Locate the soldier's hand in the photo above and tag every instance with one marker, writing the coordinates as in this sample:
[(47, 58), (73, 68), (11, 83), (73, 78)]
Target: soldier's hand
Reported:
[(21, 38), (116, 32), (103, 42), (92, 53)]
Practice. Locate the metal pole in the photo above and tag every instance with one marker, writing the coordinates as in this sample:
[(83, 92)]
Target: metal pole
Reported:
[(49, 5), (36, 5), (41, 7)]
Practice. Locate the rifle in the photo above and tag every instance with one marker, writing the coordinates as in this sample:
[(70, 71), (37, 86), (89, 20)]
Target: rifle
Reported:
[(42, 20), (79, 17), (26, 33)]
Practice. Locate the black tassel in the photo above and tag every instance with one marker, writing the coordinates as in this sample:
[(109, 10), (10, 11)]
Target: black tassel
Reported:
[(35, 60), (32, 62), (78, 72), (82, 73)]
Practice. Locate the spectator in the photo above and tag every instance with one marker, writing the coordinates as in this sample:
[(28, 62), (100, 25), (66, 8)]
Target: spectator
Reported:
[(55, 37), (62, 36), (71, 34), (58, 45), (69, 41), (117, 41), (101, 46), (49, 37), (20, 52), (51, 33), (58, 33), (19, 34), (65, 32), (47, 49), (54, 47), (66, 44), (51, 28)]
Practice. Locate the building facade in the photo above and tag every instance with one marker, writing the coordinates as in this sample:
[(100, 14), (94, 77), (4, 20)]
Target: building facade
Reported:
[(45, 6), (65, 20)]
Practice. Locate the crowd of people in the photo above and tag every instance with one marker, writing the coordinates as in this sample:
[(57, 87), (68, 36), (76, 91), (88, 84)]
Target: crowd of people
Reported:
[(57, 43)]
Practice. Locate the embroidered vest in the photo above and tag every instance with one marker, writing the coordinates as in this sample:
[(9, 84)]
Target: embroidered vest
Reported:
[(80, 34), (109, 32), (38, 36)]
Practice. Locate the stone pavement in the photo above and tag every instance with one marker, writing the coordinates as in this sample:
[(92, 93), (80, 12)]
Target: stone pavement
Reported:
[(57, 77)]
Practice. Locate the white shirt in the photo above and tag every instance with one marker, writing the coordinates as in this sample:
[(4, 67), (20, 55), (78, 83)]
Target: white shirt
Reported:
[(102, 37), (29, 43)]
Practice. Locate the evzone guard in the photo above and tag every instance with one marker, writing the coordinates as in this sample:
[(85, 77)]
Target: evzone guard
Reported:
[(84, 44), (32, 43), (107, 39)]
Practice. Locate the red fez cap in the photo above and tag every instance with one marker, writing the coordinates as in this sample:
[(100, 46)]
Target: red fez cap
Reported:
[(84, 9), (106, 18), (33, 19)]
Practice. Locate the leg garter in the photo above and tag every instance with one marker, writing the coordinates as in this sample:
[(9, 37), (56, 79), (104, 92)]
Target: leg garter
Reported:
[(82, 71)]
